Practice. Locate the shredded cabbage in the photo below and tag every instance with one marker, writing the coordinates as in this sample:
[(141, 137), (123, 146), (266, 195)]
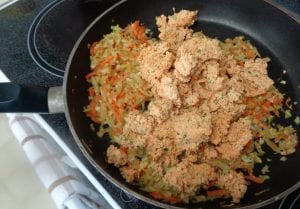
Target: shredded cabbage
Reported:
[(117, 86)]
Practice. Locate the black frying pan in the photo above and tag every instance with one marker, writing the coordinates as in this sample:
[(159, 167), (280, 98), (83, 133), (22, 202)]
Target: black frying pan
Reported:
[(275, 34)]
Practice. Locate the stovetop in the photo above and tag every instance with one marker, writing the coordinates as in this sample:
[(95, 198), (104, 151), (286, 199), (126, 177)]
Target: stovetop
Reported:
[(36, 37)]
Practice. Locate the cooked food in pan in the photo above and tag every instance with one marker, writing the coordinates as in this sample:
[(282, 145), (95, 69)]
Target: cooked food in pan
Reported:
[(188, 115)]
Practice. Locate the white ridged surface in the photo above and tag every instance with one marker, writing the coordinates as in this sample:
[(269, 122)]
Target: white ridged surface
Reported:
[(19, 184)]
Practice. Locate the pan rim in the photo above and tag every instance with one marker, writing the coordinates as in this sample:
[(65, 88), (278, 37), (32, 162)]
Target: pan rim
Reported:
[(108, 176), (289, 13)]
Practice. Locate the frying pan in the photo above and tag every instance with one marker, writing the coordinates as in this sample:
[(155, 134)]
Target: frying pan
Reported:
[(273, 32)]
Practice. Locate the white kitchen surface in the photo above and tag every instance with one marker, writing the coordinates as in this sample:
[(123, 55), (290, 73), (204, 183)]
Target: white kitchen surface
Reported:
[(20, 187)]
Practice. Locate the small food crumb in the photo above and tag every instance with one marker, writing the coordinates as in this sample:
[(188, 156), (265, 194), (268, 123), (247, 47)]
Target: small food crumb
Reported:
[(261, 192), (265, 169), (283, 159), (264, 177), (287, 114), (297, 120), (92, 127), (283, 82)]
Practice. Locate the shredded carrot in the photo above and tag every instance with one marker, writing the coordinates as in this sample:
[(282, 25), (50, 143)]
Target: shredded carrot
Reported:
[(92, 48), (124, 149), (248, 146), (93, 112), (116, 111), (135, 25), (119, 56), (278, 101), (116, 131), (255, 179), (267, 104), (99, 67), (287, 103), (276, 112), (139, 31), (131, 46), (91, 92), (249, 53), (281, 135), (91, 74), (104, 62), (121, 95), (159, 196), (272, 145), (217, 193)]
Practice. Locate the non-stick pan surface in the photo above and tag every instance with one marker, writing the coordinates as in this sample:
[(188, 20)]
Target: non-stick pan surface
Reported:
[(275, 34)]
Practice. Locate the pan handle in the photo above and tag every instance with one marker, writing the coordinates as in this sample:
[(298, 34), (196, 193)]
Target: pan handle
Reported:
[(21, 98)]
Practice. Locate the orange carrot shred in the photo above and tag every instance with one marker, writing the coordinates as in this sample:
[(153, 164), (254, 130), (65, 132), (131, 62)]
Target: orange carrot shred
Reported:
[(91, 91), (255, 179), (116, 111), (217, 193), (93, 113), (247, 146), (287, 103), (92, 48), (124, 149), (99, 67), (249, 53), (159, 196)]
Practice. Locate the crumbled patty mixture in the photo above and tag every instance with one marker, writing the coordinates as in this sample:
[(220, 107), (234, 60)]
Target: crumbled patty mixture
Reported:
[(196, 121)]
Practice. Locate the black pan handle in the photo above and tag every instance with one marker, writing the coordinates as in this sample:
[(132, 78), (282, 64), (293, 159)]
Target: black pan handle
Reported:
[(21, 98)]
